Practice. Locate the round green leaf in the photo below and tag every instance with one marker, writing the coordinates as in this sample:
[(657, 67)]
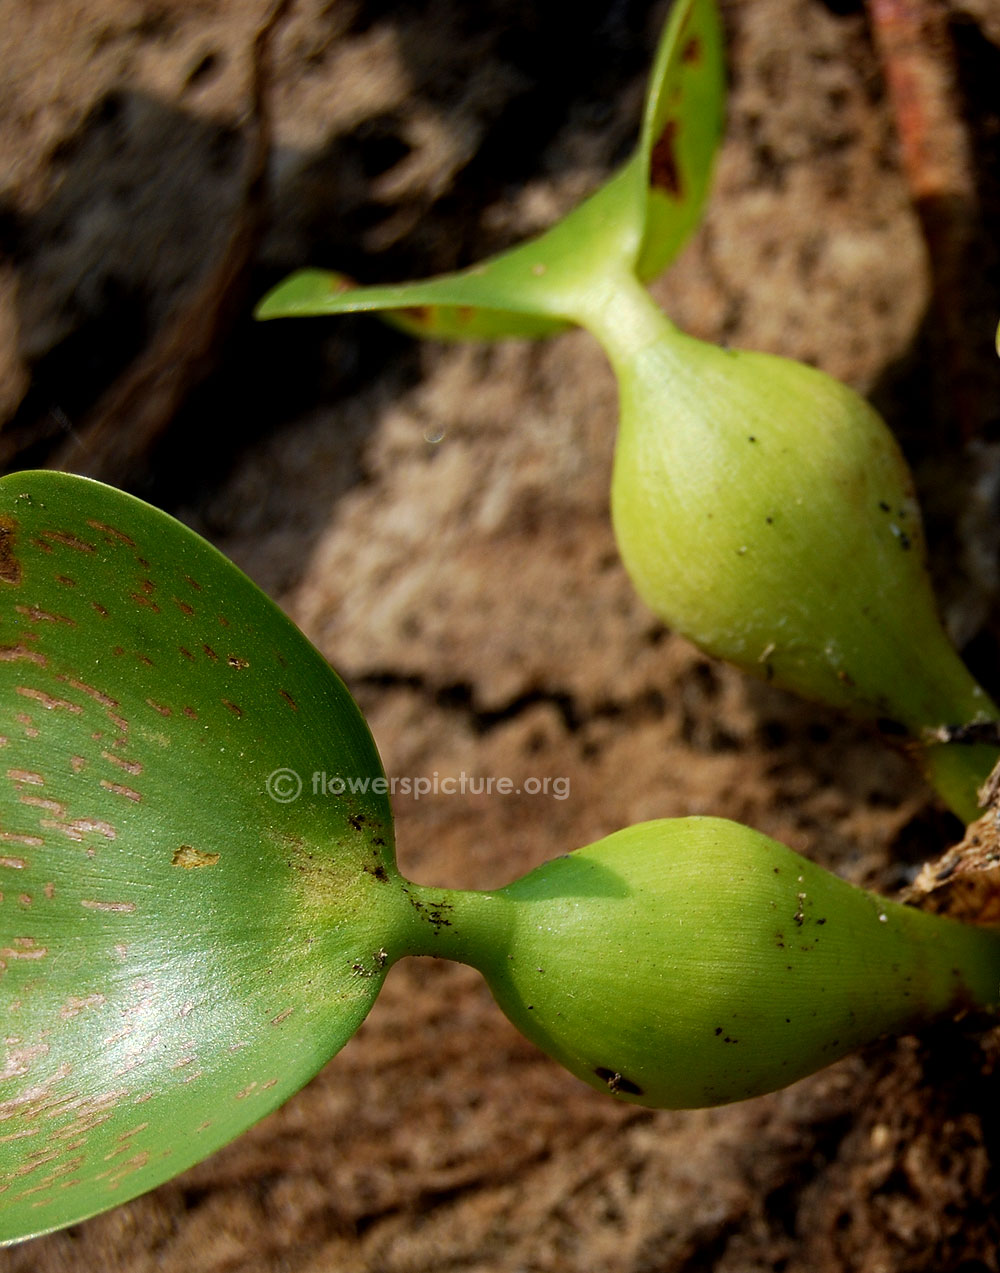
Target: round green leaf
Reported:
[(190, 926)]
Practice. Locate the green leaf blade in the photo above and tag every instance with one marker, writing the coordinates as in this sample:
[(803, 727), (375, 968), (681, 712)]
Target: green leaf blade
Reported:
[(179, 949), (682, 129), (453, 307), (534, 290)]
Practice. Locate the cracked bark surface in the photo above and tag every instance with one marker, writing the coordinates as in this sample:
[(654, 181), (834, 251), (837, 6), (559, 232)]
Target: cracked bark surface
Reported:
[(436, 519)]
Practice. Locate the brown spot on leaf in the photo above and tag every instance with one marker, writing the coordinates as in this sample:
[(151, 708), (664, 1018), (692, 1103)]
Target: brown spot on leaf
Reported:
[(237, 711), (664, 173), (160, 707), (211, 653), (289, 700), (235, 661), (10, 567), (190, 858), (117, 908), (182, 606), (691, 53), (421, 314)]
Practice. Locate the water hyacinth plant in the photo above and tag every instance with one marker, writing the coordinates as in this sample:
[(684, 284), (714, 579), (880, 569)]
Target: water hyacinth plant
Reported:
[(187, 935), (761, 508)]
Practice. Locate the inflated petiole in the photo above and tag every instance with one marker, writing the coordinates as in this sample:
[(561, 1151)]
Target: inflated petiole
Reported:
[(695, 962), (761, 508)]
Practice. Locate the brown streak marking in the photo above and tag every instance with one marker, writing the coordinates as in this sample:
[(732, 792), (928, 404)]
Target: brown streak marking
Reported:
[(125, 908), (47, 701), (13, 653), (68, 540), (119, 790), (37, 615), (100, 609), (112, 530), (193, 582), (211, 653), (105, 700), (26, 775), (130, 766), (142, 600), (18, 837), (186, 652), (15, 864), (190, 713), (139, 1127), (182, 606), (66, 581), (237, 711), (75, 1004), (160, 707), (50, 806), (289, 700), (76, 829)]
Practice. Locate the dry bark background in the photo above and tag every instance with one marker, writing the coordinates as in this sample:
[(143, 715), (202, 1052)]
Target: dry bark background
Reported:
[(436, 519)]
